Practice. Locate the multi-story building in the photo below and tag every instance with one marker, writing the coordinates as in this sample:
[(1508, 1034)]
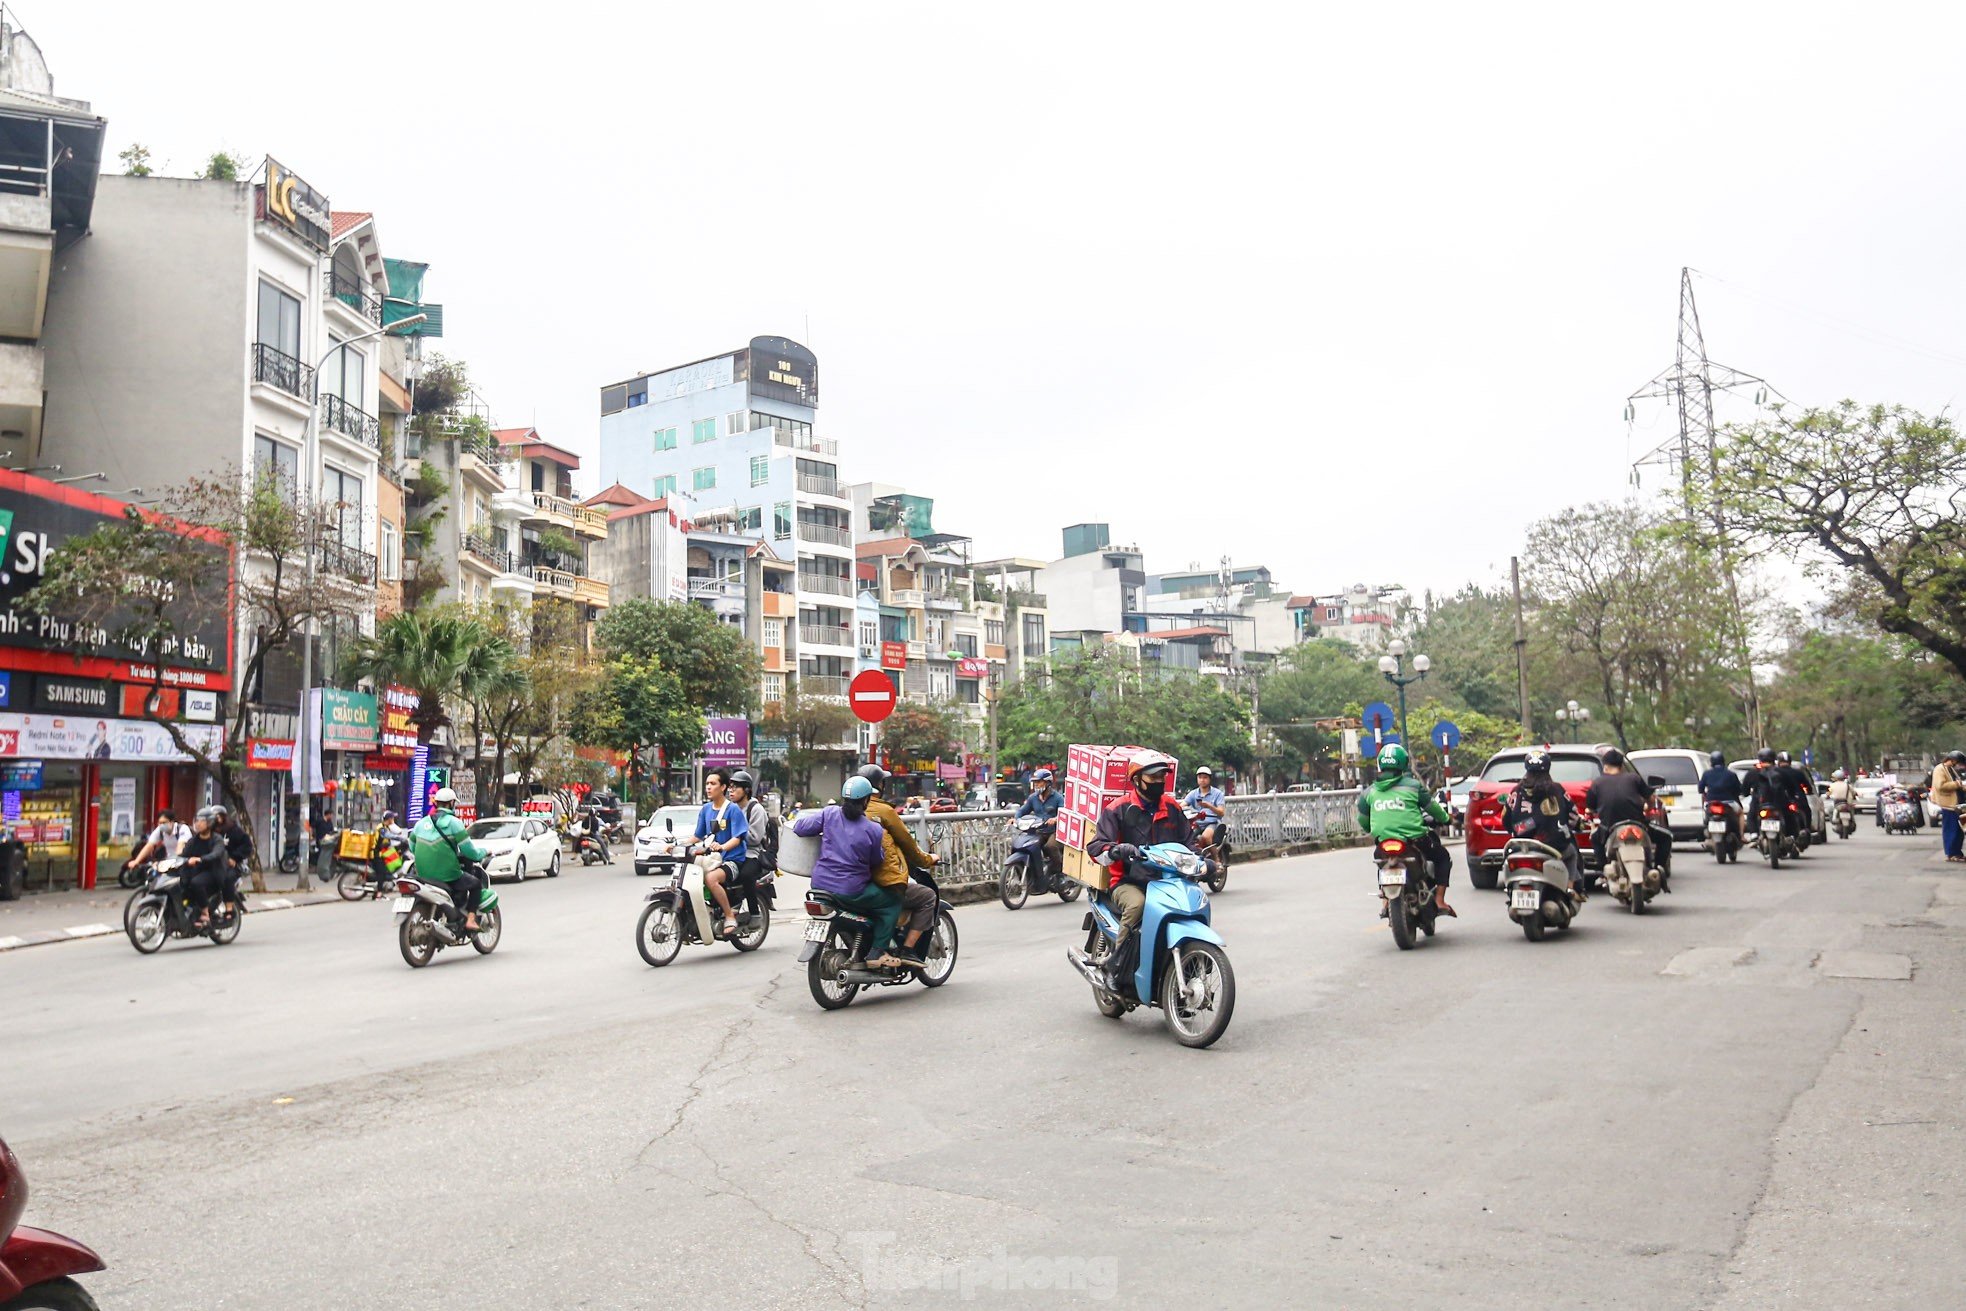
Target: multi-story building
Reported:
[(1094, 589), (1015, 613), (737, 430), (556, 534), (1367, 617)]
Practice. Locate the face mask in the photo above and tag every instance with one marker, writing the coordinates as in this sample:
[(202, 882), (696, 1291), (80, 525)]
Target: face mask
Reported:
[(1151, 790)]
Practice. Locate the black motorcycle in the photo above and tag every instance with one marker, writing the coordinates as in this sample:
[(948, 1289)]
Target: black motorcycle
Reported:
[(1218, 852), (1029, 869), (157, 912), (836, 936), (290, 854)]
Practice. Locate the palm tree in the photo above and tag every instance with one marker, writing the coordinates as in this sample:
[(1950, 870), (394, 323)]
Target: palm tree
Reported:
[(438, 656)]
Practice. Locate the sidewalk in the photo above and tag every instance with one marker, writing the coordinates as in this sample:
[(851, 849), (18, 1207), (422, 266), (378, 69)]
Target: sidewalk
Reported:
[(63, 916)]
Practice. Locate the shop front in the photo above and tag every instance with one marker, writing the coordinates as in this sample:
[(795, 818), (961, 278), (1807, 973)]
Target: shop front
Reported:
[(86, 757)]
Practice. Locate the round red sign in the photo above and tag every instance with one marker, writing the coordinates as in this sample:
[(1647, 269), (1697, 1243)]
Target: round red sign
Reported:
[(871, 695)]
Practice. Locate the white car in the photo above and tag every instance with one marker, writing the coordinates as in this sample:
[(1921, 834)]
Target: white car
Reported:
[(659, 843), (1681, 768), (1864, 792), (517, 847)]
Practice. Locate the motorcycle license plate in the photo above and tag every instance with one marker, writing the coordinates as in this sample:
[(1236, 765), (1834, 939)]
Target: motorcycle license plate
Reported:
[(1525, 899), (1718, 827), (1771, 827), (402, 905), (1392, 878), (816, 930)]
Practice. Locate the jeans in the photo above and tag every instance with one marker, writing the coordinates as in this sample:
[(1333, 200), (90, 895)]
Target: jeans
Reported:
[(883, 906), (1949, 836)]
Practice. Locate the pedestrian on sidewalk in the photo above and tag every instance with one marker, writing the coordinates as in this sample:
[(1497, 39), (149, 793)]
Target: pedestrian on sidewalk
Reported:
[(1948, 783)]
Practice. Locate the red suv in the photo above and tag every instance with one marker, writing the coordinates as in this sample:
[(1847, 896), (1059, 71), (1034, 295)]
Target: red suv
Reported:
[(1575, 766)]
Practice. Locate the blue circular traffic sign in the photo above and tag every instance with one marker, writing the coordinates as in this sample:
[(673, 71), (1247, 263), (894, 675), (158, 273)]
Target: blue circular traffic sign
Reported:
[(1446, 735)]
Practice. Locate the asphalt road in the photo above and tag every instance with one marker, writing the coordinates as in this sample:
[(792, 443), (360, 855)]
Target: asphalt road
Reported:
[(1683, 1110)]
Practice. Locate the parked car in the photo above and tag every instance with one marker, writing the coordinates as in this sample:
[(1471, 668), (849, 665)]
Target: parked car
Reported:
[(1575, 765), (1864, 792), (659, 843), (1681, 768), (1818, 812), (517, 846)]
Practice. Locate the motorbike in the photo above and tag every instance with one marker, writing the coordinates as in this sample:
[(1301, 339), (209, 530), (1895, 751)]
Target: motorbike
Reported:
[(1538, 886), (1724, 830), (1183, 966), (37, 1267), (684, 911), (1771, 837), (1628, 869), (156, 912), (1900, 812), (1027, 869), (375, 878), (1406, 889), (427, 921), (290, 854), (590, 851), (1217, 853), (836, 936), (1846, 819)]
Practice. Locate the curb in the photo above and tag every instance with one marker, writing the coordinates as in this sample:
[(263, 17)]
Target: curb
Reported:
[(41, 937)]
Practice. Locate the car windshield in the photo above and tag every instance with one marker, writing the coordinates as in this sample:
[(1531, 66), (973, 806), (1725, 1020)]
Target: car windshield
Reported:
[(494, 829), (1564, 769), (1677, 771), (684, 818)]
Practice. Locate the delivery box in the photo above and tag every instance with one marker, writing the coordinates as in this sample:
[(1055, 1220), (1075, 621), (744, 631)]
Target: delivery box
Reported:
[(1085, 869)]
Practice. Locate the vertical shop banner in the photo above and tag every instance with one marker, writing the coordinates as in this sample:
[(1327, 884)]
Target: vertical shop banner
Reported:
[(312, 781), (415, 805), (122, 808), (726, 742)]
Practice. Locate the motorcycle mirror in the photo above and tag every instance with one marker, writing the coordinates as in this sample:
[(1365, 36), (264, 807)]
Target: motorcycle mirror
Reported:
[(670, 823)]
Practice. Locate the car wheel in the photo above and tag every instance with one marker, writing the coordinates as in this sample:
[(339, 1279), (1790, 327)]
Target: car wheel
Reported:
[(553, 866), (519, 870), (1485, 879)]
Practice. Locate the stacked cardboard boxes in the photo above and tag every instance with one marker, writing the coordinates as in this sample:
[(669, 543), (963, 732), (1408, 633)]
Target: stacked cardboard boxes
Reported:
[(1095, 777)]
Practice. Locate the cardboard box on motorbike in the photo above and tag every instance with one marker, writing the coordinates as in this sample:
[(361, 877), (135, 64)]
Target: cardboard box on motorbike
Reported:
[(1095, 777)]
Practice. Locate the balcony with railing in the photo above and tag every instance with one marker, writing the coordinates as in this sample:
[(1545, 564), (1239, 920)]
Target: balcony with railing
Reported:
[(590, 521), (825, 584), (716, 589), (344, 561), (908, 598), (356, 295), (556, 510), (827, 685), (482, 545), (276, 368), (337, 415), (814, 484), (826, 635), (816, 445), (825, 534), (481, 454), (589, 591)]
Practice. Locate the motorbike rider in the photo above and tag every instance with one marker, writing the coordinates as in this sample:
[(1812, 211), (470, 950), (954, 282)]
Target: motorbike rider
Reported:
[(1801, 787), (446, 854), (165, 841), (722, 830), (761, 844), (204, 861), (1538, 807), (1767, 789), (1620, 796), (1721, 784), (595, 830), (238, 852), (851, 852), (1206, 798), (1147, 817), (1044, 802), (900, 853), (1397, 805)]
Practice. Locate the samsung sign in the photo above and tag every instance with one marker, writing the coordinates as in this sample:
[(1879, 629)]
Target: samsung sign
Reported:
[(74, 695)]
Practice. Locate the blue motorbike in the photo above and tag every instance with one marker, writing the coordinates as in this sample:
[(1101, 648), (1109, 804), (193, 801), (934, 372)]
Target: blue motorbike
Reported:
[(1183, 967)]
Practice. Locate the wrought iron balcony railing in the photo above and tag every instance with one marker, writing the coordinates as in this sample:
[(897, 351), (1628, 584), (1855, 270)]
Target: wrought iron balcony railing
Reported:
[(356, 296), (344, 418), (278, 369)]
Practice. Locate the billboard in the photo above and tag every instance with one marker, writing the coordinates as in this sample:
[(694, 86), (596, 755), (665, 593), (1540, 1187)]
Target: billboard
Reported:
[(295, 206), (726, 742), (53, 737), (783, 370)]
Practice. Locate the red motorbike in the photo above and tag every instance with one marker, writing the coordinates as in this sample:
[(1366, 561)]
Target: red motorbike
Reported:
[(35, 1265)]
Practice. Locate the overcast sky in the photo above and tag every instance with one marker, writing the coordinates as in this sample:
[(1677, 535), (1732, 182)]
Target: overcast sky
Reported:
[(1352, 291)]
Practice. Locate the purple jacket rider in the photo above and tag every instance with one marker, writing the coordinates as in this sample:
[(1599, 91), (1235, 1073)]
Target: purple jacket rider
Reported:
[(849, 850)]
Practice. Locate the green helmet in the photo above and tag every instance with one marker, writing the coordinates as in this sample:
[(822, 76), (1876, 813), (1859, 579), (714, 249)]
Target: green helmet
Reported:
[(1392, 760)]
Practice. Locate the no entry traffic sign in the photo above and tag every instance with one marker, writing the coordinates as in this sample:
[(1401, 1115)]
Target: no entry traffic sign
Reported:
[(871, 695)]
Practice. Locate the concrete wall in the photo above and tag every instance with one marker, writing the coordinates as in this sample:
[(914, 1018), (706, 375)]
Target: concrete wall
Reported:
[(147, 334)]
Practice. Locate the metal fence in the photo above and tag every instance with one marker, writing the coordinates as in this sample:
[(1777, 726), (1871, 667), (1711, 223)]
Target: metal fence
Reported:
[(971, 846)]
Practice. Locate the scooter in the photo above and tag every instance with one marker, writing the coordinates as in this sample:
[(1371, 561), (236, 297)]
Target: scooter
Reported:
[(1027, 869), (1846, 819), (1628, 869), (1771, 836), (1183, 963), (1538, 886), (683, 910), (1406, 889), (590, 851), (427, 920), (837, 936), (375, 878), (1724, 831), (37, 1268), (1216, 853), (156, 913)]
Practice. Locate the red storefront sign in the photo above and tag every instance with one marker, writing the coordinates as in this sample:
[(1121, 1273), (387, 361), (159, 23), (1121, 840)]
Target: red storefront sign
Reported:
[(972, 667), (269, 753), (894, 655)]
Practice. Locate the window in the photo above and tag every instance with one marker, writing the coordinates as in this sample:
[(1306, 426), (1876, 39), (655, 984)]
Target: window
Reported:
[(386, 555), (781, 520), (279, 320), (870, 635), (665, 439), (1034, 636), (796, 429), (750, 519), (774, 687), (703, 430), (993, 631), (734, 422), (341, 493), (774, 633), (665, 484), (345, 373), (638, 398), (967, 691), (278, 461), (966, 644), (760, 470), (703, 479)]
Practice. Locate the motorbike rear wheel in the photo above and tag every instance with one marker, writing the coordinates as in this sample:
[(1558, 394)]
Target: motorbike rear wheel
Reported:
[(352, 884), (822, 977), (756, 937), (1069, 889), (658, 918), (1014, 885), (1401, 925), (62, 1294), (1532, 928), (1203, 967), (1221, 876), (227, 931), (290, 863), (415, 938), (941, 951)]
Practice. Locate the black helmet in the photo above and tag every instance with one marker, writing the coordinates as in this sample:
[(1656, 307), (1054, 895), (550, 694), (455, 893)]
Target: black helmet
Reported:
[(1536, 762), (1718, 758), (1766, 755), (742, 779), (1956, 757), (873, 774)]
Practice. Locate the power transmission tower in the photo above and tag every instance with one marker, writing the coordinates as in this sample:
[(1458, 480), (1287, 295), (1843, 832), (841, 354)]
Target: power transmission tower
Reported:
[(1690, 384)]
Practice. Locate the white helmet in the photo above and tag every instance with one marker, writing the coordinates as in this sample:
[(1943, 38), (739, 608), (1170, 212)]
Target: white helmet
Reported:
[(1837, 774), (445, 797)]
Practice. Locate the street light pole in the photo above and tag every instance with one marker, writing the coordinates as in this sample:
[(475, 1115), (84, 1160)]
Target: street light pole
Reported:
[(310, 524), (1393, 666)]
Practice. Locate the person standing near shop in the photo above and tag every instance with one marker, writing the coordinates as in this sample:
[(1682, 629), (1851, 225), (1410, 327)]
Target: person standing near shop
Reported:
[(1948, 784)]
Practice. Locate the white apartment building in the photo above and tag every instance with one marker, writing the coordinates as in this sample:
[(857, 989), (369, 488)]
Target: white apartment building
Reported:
[(737, 431)]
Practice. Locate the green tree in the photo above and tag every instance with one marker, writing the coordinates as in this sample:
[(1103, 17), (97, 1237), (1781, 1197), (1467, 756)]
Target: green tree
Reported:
[(717, 665), (136, 160), (1470, 636), (221, 167), (444, 657), (636, 704), (1872, 492), (1103, 697), (920, 732), (1322, 679), (812, 727)]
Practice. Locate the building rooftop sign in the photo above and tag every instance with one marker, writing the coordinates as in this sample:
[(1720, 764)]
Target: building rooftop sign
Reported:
[(295, 206), (783, 370)]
